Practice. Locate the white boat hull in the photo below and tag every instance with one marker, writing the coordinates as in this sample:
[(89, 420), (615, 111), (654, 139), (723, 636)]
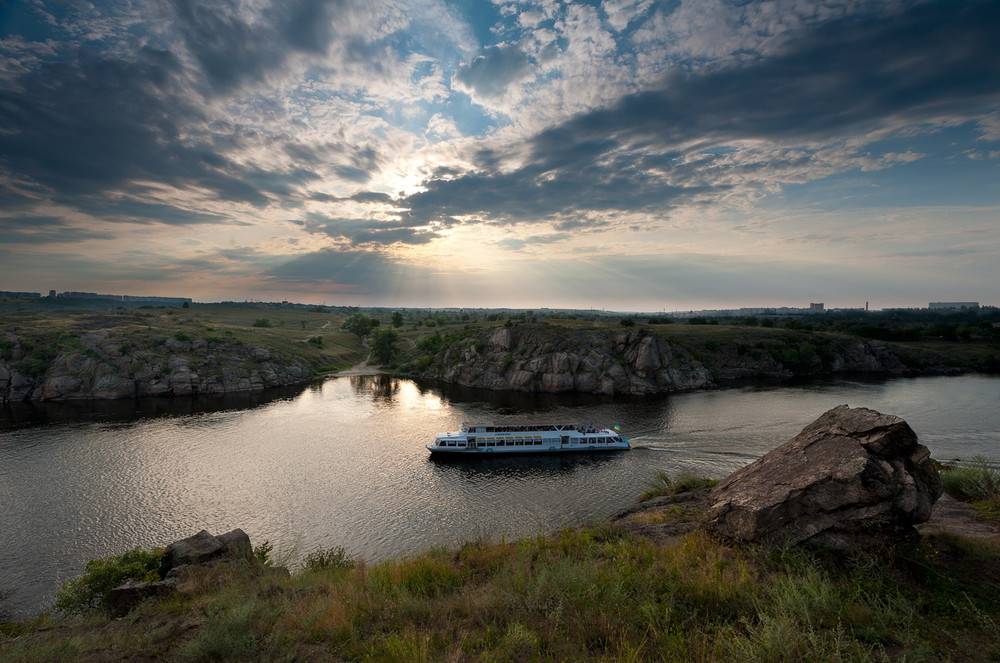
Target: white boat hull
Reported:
[(486, 440)]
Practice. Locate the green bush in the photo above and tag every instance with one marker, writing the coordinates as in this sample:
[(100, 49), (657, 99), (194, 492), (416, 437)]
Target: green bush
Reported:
[(33, 368), (181, 336), (90, 591), (317, 341), (261, 322)]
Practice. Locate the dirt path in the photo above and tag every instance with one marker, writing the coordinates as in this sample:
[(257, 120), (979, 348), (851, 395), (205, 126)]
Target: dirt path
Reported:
[(950, 515), (360, 369)]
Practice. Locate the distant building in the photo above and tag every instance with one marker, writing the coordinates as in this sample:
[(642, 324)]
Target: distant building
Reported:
[(956, 305), (8, 293), (816, 307)]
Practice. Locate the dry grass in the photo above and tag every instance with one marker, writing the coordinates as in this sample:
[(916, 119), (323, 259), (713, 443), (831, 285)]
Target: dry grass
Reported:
[(594, 594)]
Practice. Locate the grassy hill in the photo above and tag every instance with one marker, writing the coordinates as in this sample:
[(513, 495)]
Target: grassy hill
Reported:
[(594, 594)]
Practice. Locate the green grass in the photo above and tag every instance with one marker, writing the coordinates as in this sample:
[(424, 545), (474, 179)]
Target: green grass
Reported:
[(972, 482), (662, 484), (596, 594), (975, 482)]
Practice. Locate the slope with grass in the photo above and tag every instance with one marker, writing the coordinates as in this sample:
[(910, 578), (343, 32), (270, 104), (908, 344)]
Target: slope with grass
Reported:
[(600, 593)]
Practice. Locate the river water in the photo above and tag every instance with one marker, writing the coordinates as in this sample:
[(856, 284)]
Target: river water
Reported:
[(343, 463)]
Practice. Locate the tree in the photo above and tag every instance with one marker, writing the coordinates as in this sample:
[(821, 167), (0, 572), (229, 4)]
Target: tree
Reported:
[(397, 319), (360, 325), (384, 345)]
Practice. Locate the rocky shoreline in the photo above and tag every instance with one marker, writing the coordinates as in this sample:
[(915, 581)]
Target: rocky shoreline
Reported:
[(104, 364), (110, 363), (537, 357)]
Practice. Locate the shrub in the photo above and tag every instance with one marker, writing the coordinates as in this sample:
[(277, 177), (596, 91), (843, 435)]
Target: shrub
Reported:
[(262, 553), (317, 341), (627, 322), (100, 576), (261, 322), (430, 343), (33, 368)]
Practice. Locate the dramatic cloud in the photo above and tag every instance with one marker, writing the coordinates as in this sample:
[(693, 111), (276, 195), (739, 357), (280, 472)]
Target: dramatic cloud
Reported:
[(489, 75), (418, 149)]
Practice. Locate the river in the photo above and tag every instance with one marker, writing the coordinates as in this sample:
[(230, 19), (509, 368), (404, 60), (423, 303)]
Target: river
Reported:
[(343, 463)]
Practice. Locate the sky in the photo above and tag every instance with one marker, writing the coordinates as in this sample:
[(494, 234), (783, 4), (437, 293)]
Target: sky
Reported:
[(627, 155)]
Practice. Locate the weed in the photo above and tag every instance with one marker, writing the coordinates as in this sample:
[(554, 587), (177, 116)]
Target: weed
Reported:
[(323, 559), (972, 483), (662, 484)]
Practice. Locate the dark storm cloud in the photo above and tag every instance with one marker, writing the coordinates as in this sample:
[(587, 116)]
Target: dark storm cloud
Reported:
[(489, 75), (935, 62), (233, 50), (87, 122), (852, 75)]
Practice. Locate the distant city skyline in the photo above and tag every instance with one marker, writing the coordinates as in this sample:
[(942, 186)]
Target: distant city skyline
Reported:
[(783, 309), (628, 155)]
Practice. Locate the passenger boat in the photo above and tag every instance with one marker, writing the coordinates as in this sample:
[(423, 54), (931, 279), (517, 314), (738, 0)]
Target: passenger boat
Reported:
[(481, 439)]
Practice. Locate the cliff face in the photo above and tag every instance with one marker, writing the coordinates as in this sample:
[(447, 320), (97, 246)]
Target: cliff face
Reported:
[(542, 358), (106, 364)]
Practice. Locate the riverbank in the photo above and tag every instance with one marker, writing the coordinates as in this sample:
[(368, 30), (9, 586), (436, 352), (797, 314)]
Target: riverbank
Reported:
[(78, 355), (561, 356), (53, 355), (603, 592)]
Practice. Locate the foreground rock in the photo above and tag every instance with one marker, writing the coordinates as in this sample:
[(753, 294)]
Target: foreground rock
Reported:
[(854, 477), (180, 559)]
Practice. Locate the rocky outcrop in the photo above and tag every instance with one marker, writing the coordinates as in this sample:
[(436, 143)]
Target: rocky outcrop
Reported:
[(541, 357), (106, 364), (854, 477), (180, 559), (203, 547)]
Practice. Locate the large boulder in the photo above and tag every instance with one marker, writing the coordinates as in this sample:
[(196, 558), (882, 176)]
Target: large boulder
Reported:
[(854, 477), (203, 547)]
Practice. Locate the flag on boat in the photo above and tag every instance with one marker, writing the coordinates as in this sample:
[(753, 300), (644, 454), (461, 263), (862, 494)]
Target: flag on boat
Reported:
[(617, 428)]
